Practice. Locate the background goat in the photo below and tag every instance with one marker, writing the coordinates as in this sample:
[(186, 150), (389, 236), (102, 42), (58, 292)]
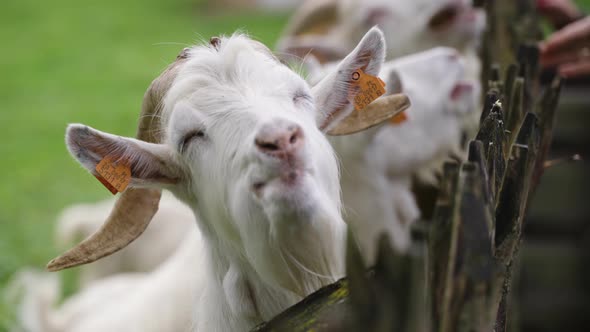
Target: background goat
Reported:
[(159, 241), (378, 164), (328, 29)]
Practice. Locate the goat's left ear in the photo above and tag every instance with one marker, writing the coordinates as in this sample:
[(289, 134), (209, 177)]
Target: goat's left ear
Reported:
[(332, 93), (150, 165)]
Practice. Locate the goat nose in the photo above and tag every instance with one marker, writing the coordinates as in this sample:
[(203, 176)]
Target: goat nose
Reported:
[(279, 139)]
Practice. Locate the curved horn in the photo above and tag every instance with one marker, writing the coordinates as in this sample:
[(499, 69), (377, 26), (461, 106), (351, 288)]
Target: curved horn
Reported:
[(377, 112), (135, 208), (312, 17)]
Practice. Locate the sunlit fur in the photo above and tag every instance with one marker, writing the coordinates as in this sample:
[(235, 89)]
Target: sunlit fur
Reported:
[(378, 164), (262, 247)]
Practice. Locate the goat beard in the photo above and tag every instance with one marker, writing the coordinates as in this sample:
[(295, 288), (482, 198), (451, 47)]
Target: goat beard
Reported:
[(311, 251)]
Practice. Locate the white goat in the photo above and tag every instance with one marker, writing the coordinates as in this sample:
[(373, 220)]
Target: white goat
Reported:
[(161, 300), (242, 145), (328, 29), (378, 164), (159, 241)]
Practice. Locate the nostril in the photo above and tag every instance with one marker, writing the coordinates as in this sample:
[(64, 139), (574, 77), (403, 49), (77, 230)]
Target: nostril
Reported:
[(279, 140), (267, 146), (296, 134)]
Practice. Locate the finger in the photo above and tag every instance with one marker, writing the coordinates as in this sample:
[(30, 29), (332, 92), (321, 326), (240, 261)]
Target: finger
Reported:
[(562, 56), (575, 33), (575, 69)]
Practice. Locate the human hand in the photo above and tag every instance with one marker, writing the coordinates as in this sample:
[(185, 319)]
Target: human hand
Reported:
[(568, 49), (559, 12)]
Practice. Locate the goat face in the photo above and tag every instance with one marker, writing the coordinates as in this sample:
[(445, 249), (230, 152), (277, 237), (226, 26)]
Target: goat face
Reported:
[(441, 99), (434, 82), (243, 144), (416, 25)]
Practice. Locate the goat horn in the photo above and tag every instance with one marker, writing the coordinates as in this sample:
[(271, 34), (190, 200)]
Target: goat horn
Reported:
[(312, 17), (382, 109), (135, 208)]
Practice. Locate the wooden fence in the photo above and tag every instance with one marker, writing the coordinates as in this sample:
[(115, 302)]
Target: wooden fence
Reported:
[(460, 275)]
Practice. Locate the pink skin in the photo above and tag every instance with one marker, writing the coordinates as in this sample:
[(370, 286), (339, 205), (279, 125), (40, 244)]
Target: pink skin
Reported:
[(283, 144), (568, 49), (461, 89)]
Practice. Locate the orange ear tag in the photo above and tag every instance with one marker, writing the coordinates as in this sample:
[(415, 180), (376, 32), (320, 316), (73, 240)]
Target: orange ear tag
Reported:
[(115, 176), (399, 118), (369, 88)]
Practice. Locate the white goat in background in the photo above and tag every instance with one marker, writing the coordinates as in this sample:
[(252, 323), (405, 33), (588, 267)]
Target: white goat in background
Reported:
[(378, 164), (159, 241), (161, 300), (328, 29), (242, 145)]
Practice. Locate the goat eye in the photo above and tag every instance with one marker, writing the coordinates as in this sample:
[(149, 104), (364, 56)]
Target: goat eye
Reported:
[(301, 97), (188, 138)]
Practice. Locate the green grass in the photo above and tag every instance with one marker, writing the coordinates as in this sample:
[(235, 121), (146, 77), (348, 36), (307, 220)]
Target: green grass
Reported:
[(68, 61), (584, 5)]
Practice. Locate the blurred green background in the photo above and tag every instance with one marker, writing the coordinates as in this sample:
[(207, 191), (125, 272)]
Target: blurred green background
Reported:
[(69, 61), (66, 61)]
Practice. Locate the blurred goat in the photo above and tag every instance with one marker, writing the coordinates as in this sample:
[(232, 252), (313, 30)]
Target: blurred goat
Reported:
[(378, 164), (158, 242), (328, 29)]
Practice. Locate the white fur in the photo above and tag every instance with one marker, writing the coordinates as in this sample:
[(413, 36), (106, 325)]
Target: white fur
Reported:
[(406, 28), (404, 23), (160, 300), (266, 242), (159, 241)]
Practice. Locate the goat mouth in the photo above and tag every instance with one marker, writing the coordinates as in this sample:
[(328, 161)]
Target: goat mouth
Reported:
[(460, 89), (287, 178)]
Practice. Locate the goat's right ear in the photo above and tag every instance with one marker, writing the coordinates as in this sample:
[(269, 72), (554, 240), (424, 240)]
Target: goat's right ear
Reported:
[(151, 165), (332, 93)]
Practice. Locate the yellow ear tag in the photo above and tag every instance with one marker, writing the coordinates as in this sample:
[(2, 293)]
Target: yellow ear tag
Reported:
[(369, 88), (115, 176), (400, 118)]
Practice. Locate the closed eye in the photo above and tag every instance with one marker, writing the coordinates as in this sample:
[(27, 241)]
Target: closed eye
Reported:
[(301, 97), (189, 137)]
